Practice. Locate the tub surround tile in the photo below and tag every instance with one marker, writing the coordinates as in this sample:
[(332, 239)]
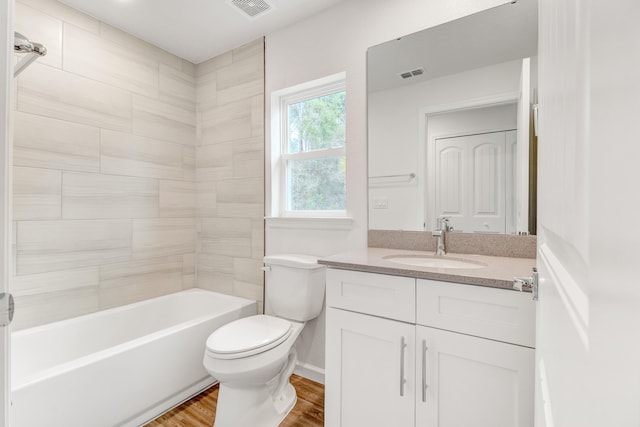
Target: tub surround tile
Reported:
[(189, 281), (133, 281), (214, 162), (133, 155), (463, 243), (139, 47), (161, 120), (225, 227), (257, 239), (94, 57), (36, 193), (215, 262), (247, 191), (162, 237), (226, 236), (41, 28), (227, 122), (206, 92), (189, 163), (210, 66), (248, 290), (240, 210), (229, 246), (57, 94), (257, 116), (248, 159), (60, 245), (65, 13), (112, 206), (177, 87), (177, 199), (254, 49), (206, 199), (189, 68), (242, 70), (249, 271), (189, 264), (50, 307), (215, 281), (41, 142), (33, 284), (94, 196), (230, 94)]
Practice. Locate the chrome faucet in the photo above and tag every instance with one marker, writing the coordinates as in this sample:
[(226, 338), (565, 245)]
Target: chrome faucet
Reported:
[(442, 227)]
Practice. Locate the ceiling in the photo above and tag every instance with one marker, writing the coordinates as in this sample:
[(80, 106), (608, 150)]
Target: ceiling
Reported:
[(197, 30)]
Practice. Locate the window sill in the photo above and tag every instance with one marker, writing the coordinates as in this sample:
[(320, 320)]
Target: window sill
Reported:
[(310, 223)]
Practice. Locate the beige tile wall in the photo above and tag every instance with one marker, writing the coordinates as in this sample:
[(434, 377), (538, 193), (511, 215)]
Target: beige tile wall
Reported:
[(104, 169), (136, 173), (230, 172)]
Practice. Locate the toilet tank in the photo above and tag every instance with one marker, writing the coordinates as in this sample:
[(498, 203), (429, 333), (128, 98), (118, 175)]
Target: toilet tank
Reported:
[(294, 286)]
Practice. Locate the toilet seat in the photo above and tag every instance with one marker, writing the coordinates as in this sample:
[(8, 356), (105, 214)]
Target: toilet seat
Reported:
[(248, 336)]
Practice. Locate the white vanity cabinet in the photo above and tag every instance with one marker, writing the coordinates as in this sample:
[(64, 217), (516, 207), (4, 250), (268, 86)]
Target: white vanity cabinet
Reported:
[(413, 352)]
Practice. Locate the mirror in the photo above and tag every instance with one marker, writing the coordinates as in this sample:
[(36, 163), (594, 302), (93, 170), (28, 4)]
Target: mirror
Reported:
[(450, 127)]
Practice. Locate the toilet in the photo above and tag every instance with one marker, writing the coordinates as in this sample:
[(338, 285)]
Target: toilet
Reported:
[(254, 357)]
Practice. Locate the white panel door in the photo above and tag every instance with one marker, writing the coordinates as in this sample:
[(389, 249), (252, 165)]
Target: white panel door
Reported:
[(468, 381), (369, 372), (6, 82), (470, 182), (588, 349)]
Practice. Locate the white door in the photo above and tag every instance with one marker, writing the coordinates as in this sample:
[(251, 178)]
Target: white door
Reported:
[(588, 344), (470, 182), (6, 82), (367, 362), (469, 381)]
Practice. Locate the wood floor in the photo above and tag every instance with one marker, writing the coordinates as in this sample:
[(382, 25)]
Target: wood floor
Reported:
[(201, 410)]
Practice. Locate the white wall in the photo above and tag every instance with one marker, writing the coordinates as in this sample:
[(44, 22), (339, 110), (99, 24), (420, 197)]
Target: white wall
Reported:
[(328, 43)]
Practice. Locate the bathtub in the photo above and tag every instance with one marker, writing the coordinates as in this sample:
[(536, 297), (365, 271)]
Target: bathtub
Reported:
[(119, 367)]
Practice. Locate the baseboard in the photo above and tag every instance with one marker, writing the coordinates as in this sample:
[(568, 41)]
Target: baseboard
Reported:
[(310, 372)]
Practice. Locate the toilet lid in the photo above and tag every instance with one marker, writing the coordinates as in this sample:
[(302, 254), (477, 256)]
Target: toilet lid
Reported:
[(248, 336)]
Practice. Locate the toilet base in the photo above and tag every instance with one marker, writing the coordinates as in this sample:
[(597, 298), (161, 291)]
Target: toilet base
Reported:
[(252, 406)]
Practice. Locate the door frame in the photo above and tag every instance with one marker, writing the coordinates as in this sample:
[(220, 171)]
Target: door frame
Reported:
[(6, 103)]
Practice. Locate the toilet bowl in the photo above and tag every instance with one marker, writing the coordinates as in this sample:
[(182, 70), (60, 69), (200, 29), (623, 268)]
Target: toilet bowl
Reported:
[(254, 357)]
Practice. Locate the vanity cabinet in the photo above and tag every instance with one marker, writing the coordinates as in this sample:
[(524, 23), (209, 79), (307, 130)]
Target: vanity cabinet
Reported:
[(414, 352)]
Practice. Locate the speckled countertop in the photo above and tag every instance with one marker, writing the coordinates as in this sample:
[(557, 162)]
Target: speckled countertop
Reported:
[(496, 272)]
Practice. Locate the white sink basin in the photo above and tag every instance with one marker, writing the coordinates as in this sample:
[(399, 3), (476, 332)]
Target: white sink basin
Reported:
[(433, 261)]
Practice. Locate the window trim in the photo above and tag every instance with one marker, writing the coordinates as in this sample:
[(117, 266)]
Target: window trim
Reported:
[(280, 101)]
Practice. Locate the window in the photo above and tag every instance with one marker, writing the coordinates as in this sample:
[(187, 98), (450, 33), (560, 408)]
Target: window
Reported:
[(311, 161)]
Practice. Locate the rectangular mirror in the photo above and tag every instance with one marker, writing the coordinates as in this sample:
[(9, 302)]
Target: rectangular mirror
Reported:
[(450, 125)]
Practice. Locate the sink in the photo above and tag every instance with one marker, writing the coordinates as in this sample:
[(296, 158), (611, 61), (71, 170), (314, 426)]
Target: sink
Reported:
[(433, 261)]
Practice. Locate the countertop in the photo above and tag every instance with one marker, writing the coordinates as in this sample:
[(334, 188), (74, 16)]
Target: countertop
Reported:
[(498, 272)]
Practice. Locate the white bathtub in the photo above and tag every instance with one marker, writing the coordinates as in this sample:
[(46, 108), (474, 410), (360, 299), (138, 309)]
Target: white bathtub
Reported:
[(119, 367)]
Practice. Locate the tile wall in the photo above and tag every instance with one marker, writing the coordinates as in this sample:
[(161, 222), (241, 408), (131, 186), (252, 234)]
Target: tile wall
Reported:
[(230, 172), (106, 210)]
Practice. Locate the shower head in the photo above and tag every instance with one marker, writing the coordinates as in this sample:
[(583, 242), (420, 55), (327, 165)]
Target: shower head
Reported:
[(21, 45)]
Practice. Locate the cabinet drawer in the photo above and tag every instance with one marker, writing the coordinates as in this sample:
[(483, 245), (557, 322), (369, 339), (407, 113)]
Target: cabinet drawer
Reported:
[(392, 297), (497, 314)]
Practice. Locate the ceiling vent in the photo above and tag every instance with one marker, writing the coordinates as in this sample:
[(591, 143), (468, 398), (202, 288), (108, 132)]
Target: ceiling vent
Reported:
[(252, 9), (412, 73)]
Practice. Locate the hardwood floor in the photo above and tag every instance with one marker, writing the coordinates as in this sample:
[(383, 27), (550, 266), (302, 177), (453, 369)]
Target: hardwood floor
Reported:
[(201, 410)]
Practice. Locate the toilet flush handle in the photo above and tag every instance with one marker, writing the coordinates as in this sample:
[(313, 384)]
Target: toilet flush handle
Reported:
[(266, 268)]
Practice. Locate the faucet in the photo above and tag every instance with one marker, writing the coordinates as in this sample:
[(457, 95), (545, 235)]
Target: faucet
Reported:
[(442, 227)]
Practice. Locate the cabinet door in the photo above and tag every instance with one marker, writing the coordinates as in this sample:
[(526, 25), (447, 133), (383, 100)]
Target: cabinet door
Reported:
[(369, 371), (468, 381)]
